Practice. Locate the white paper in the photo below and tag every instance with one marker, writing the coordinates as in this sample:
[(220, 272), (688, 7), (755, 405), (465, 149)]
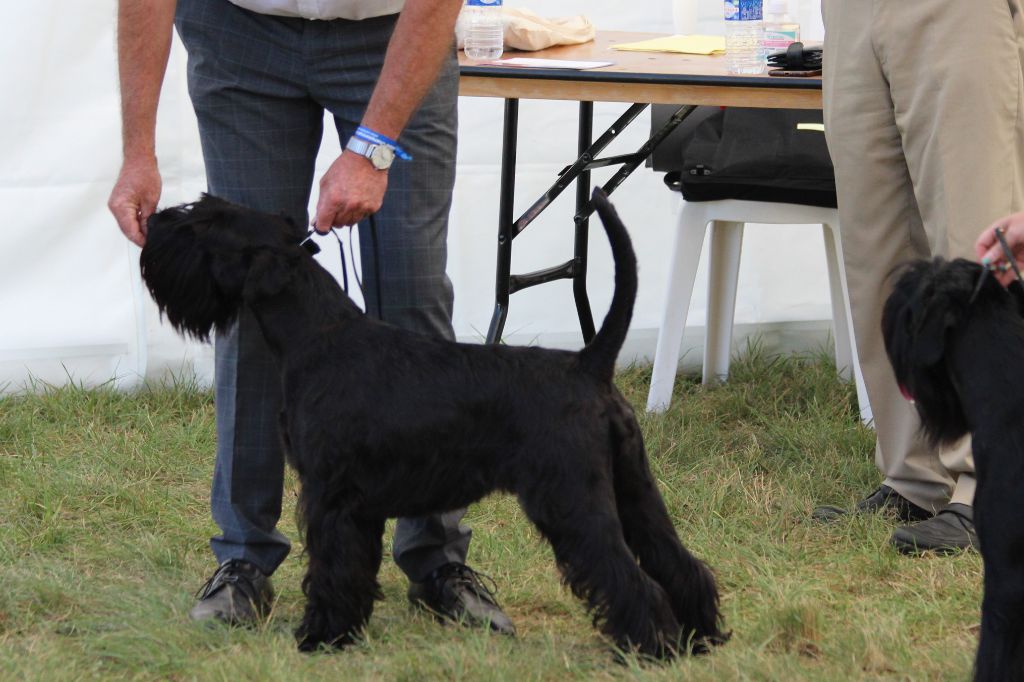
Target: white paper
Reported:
[(535, 63)]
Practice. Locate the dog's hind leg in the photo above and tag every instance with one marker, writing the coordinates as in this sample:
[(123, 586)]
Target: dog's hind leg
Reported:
[(344, 554), (649, 532), (577, 515)]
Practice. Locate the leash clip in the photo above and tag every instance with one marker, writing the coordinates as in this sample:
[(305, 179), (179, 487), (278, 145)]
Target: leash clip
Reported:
[(309, 245)]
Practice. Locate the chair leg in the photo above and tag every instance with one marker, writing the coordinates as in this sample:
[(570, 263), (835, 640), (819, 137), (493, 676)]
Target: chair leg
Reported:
[(847, 361), (840, 304), (723, 272), (866, 416), (689, 239)]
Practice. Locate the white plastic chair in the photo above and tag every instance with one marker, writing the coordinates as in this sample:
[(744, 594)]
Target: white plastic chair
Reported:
[(727, 219)]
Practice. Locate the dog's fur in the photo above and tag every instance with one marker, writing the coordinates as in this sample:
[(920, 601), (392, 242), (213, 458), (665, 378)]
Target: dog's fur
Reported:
[(380, 422), (962, 362)]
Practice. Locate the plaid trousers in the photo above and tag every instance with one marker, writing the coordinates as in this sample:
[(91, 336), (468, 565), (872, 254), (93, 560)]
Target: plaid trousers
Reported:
[(260, 85)]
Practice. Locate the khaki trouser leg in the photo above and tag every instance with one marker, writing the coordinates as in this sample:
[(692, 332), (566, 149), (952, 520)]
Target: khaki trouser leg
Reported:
[(923, 106)]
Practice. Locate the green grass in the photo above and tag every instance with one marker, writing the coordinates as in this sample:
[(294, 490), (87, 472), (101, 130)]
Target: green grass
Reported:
[(104, 508)]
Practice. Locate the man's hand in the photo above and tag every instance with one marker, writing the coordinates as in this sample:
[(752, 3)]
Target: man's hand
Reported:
[(988, 247), (134, 197), (350, 190), (144, 29)]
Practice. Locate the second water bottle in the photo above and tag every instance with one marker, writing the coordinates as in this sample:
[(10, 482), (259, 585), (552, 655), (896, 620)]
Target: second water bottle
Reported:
[(744, 31), (484, 31)]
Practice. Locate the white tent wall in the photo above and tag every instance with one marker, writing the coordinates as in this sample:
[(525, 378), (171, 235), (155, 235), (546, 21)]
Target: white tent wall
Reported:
[(71, 306)]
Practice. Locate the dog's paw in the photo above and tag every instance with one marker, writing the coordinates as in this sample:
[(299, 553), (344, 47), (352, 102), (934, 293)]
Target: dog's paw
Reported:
[(309, 641), (704, 644)]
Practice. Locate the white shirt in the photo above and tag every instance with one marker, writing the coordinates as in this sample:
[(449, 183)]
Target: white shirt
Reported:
[(323, 9)]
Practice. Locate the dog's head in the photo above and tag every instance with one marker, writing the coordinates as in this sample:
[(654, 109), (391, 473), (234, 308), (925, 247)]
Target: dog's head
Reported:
[(203, 260), (931, 304)]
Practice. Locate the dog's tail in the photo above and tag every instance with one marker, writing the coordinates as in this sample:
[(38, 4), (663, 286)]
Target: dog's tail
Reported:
[(598, 358)]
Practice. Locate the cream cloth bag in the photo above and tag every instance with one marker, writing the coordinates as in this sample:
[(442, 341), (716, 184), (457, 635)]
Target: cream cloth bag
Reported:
[(524, 30)]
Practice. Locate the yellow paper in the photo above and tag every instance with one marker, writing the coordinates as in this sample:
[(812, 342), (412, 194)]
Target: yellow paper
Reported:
[(694, 44)]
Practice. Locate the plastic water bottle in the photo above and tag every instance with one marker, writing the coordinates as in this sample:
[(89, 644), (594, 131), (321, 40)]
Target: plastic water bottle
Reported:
[(484, 29), (744, 31), (780, 31)]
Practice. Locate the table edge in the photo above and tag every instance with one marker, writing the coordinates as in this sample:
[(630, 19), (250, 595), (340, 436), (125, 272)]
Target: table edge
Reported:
[(598, 76)]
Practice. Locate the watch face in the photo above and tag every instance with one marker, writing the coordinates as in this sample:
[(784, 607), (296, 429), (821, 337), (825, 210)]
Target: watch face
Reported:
[(381, 156)]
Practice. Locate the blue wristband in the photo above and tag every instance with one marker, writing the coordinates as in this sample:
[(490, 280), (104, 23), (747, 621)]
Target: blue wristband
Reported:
[(364, 133)]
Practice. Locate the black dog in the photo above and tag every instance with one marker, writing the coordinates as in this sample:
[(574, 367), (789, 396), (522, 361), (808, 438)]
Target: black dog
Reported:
[(955, 338), (381, 422)]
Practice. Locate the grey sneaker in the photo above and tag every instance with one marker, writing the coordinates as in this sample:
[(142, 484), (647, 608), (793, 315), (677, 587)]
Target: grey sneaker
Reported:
[(951, 530), (456, 592), (883, 499), (238, 593)]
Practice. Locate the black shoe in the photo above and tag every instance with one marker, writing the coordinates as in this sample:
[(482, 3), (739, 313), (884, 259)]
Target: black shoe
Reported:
[(884, 499), (951, 530), (238, 593), (455, 592)]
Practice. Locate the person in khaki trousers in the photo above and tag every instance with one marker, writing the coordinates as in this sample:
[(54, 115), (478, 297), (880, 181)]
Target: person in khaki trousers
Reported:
[(924, 117)]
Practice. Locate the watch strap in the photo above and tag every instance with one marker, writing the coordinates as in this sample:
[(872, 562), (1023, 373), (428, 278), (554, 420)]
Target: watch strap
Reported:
[(359, 146), (373, 137)]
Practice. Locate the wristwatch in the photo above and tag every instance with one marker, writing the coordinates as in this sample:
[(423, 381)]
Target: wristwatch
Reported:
[(380, 155)]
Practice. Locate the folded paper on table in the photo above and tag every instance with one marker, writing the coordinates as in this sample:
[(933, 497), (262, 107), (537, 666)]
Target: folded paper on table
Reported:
[(693, 44), (536, 63)]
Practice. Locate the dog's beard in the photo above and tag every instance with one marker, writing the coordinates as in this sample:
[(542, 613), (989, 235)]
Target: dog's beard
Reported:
[(938, 405), (926, 303), (177, 276)]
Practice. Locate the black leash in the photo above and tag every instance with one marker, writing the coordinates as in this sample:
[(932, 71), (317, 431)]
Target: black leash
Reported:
[(1011, 262), (1008, 252), (977, 287), (312, 247)]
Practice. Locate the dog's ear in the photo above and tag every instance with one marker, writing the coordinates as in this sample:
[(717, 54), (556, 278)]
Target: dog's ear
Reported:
[(269, 273), (283, 215), (931, 328)]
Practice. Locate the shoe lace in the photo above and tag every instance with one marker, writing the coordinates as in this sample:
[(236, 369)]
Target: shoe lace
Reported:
[(482, 584), (231, 572)]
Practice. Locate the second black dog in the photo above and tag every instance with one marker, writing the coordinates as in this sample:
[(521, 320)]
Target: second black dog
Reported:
[(955, 338), (381, 422)]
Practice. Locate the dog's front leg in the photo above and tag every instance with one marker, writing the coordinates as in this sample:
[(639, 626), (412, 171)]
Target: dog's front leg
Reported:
[(1000, 526), (344, 554)]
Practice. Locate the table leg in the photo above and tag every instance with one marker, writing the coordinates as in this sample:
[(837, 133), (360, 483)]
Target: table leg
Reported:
[(582, 220), (579, 172), (505, 225)]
